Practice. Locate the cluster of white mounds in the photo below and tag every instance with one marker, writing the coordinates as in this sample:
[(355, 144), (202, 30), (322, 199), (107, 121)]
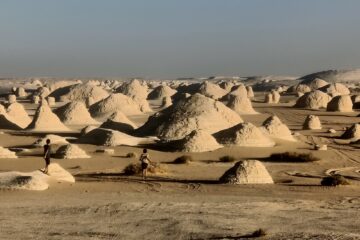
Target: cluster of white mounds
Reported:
[(313, 100), (86, 93), (241, 104), (166, 102), (6, 153), (272, 97), (133, 89), (211, 90), (75, 113), (312, 122), (35, 180), (108, 137), (340, 103), (274, 128), (18, 114), (335, 89), (71, 151), (250, 92), (120, 122), (247, 172), (196, 141), (352, 75), (54, 139), (160, 92), (115, 102), (46, 121), (315, 83), (244, 135), (192, 113), (352, 133)]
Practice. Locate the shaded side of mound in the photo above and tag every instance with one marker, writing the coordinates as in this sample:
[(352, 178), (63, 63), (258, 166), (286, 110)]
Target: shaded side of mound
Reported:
[(6, 121), (113, 103), (75, 113), (244, 135), (352, 133), (192, 113), (46, 121), (196, 141), (107, 137), (247, 172)]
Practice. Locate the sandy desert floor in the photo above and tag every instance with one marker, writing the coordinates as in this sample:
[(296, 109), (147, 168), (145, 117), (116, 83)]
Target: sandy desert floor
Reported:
[(187, 202)]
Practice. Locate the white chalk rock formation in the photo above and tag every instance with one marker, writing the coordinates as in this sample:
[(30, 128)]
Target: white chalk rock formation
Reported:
[(247, 172), (196, 141), (18, 114), (244, 135), (133, 89), (241, 105), (211, 90), (352, 133), (161, 92), (340, 103), (313, 100), (166, 102), (274, 128), (113, 103), (250, 92), (192, 113), (46, 121), (312, 122), (11, 98), (71, 151), (75, 113), (36, 180), (108, 137), (335, 89), (120, 122)]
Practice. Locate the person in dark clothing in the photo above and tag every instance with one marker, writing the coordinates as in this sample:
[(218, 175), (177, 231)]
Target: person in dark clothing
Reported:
[(145, 162), (47, 153)]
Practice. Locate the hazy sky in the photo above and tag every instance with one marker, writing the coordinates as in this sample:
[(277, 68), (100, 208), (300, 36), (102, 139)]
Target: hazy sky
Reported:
[(168, 38)]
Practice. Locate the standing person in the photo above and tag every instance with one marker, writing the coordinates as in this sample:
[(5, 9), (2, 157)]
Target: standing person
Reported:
[(145, 162), (47, 153)]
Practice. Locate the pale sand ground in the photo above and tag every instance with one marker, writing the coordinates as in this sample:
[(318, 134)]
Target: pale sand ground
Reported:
[(187, 203)]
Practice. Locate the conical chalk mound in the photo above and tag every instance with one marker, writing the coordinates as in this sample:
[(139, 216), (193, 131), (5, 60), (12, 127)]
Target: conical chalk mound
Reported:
[(312, 122), (71, 151), (241, 105), (244, 135), (36, 180), (75, 113), (247, 172), (211, 90), (46, 121), (192, 113), (352, 133), (120, 122), (107, 137), (18, 114), (113, 103), (133, 89), (274, 128), (196, 141), (160, 92)]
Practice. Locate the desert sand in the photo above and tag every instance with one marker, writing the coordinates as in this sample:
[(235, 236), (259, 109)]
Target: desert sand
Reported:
[(182, 201)]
